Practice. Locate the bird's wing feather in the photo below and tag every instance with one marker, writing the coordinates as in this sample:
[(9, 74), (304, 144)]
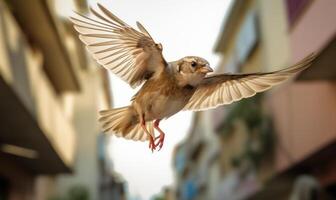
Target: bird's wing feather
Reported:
[(224, 89), (130, 54)]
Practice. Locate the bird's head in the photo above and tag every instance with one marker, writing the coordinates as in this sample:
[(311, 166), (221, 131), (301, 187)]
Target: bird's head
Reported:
[(193, 69), (194, 64)]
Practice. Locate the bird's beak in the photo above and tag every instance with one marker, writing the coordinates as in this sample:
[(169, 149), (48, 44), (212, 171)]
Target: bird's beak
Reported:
[(206, 69)]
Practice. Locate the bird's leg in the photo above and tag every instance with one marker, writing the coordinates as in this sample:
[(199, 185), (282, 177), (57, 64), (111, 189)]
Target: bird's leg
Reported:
[(161, 136), (151, 139)]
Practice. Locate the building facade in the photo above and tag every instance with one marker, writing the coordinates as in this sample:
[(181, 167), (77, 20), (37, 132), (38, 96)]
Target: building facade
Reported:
[(51, 92), (276, 145)]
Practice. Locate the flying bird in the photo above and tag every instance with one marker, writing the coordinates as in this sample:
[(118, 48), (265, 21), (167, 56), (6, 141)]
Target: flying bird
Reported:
[(166, 87)]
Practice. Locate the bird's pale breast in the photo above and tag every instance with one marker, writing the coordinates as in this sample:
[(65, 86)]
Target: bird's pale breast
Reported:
[(162, 98), (165, 106)]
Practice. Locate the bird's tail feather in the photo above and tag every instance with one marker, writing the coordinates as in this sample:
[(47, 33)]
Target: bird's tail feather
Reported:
[(124, 122)]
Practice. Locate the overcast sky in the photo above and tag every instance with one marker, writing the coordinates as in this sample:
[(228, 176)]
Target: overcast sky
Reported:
[(184, 27)]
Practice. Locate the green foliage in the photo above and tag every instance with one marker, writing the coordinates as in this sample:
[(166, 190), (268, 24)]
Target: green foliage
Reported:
[(76, 192), (248, 110), (158, 197), (259, 127)]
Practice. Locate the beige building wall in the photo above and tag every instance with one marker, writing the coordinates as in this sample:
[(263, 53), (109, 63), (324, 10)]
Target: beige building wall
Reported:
[(274, 34), (57, 127), (270, 53), (86, 171), (86, 105), (67, 119)]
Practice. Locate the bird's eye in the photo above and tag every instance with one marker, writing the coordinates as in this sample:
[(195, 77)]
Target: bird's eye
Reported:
[(193, 64)]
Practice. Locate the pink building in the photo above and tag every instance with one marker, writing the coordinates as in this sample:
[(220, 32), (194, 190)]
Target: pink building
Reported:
[(261, 35), (305, 111)]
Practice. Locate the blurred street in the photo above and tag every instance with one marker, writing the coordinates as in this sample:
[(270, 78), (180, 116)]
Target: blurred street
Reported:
[(278, 145)]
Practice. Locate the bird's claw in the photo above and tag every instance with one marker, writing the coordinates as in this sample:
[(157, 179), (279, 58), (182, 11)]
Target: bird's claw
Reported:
[(160, 142), (152, 145)]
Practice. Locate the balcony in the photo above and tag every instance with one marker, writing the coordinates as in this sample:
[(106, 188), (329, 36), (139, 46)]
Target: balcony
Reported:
[(42, 28), (34, 130)]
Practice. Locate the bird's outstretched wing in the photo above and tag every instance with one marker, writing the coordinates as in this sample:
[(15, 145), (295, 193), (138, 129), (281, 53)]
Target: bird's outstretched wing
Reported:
[(130, 54), (224, 89)]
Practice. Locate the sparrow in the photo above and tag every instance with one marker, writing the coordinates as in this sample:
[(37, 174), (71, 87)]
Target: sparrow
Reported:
[(166, 87)]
